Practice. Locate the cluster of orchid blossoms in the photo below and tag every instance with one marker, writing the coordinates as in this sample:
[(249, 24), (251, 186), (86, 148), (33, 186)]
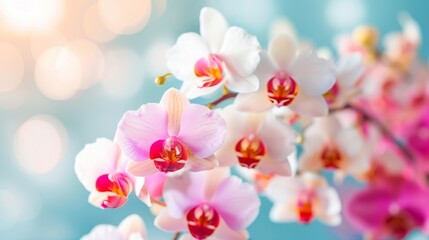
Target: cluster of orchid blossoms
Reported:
[(299, 124)]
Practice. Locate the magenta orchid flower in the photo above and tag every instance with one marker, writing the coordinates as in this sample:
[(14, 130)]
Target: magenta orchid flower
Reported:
[(209, 205), (303, 199), (131, 228), (220, 56), (100, 167), (329, 145), (292, 79), (390, 208), (256, 140), (171, 136)]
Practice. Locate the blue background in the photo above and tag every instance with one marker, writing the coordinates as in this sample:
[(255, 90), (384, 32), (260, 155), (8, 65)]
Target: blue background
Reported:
[(64, 212)]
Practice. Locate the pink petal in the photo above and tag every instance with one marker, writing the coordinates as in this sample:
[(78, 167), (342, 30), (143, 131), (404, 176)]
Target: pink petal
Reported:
[(224, 232), (96, 159), (202, 130), (196, 164), (181, 58), (236, 202), (269, 165), (314, 75), (142, 169), (167, 223), (183, 192), (213, 27), (131, 225), (107, 200), (282, 51), (138, 130), (174, 103)]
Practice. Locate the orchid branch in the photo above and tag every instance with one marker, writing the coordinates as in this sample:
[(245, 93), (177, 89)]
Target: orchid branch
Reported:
[(177, 235)]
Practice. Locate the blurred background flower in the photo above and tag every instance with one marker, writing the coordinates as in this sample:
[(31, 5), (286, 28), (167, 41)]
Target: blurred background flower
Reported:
[(69, 69)]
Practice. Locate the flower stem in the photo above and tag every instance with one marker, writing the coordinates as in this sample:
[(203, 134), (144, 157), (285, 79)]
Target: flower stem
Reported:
[(177, 235), (221, 99), (384, 130)]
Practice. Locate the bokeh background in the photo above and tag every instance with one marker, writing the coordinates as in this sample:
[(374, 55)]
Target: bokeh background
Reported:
[(69, 69)]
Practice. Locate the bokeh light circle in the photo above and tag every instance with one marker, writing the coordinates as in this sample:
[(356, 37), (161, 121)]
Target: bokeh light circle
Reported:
[(9, 208), (94, 27), (91, 60), (126, 16), (58, 73), (39, 144), (31, 15), (40, 42), (123, 75), (345, 14), (11, 67)]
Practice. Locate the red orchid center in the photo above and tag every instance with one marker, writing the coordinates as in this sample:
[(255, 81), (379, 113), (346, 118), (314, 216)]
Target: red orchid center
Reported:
[(331, 95), (305, 207), (399, 224), (262, 180), (250, 151), (168, 155), (282, 89), (331, 158), (120, 187), (209, 70), (202, 220)]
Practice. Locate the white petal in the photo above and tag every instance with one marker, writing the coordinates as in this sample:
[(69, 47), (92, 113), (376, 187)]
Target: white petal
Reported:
[(314, 75), (253, 102), (181, 58), (241, 84), (284, 212), (349, 69), (272, 166), (240, 51), (96, 159), (283, 189), (266, 69), (309, 106), (330, 205), (213, 27), (105, 232), (282, 51), (191, 89), (131, 225)]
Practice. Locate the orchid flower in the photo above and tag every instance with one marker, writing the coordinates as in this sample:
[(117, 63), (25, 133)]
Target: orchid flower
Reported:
[(392, 208), (349, 70), (131, 228), (328, 145), (402, 47), (297, 81), (363, 41), (256, 140), (220, 56), (170, 136), (210, 205), (303, 199), (100, 167)]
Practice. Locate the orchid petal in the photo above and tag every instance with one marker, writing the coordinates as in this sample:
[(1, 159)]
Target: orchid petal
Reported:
[(309, 106), (132, 225), (167, 223), (213, 27), (142, 169), (175, 103), (282, 51)]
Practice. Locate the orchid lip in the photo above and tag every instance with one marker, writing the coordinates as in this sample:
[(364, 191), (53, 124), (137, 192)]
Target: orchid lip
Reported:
[(169, 155), (209, 70), (331, 158), (250, 151), (203, 220), (119, 185), (282, 89)]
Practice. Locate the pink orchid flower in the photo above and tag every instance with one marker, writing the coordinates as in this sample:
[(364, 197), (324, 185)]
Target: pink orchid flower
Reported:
[(131, 228), (303, 199), (171, 136), (220, 56), (329, 145), (292, 79), (390, 208), (256, 140), (349, 70), (210, 205), (100, 167)]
